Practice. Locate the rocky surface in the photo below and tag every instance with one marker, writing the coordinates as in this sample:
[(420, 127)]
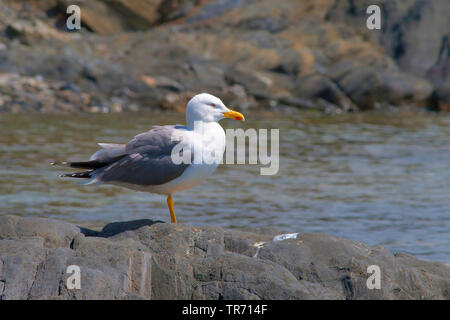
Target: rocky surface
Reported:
[(132, 55), (148, 259)]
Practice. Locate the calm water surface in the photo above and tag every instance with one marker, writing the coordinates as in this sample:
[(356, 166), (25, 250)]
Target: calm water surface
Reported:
[(377, 178)]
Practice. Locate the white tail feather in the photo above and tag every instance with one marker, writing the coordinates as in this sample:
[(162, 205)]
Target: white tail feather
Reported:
[(109, 150)]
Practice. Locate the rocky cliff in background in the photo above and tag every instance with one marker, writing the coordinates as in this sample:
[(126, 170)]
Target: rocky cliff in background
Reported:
[(138, 54), (148, 259)]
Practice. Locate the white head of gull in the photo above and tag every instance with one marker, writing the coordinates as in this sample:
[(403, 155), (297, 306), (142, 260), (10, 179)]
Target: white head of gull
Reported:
[(208, 108)]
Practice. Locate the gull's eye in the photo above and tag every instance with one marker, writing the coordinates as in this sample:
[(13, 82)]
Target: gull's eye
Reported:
[(212, 105)]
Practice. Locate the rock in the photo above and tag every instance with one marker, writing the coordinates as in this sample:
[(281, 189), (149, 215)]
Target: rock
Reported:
[(366, 86), (256, 86), (439, 73), (416, 33), (96, 16), (114, 16), (148, 259), (34, 31), (162, 51), (169, 10), (318, 86), (22, 93), (52, 233), (440, 99), (177, 102)]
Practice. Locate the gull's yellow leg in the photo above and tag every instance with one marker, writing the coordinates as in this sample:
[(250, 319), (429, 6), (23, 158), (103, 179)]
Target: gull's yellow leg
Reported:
[(170, 204)]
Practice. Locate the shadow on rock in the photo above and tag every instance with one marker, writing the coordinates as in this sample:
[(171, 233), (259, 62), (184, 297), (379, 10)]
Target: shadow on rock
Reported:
[(114, 228)]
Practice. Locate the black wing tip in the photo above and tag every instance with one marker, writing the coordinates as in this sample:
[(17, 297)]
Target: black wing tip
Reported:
[(91, 164)]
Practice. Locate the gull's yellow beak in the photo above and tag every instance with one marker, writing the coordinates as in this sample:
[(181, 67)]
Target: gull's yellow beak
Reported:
[(234, 115)]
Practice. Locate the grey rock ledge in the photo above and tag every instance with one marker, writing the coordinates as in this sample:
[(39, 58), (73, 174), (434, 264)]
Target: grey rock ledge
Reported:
[(147, 259)]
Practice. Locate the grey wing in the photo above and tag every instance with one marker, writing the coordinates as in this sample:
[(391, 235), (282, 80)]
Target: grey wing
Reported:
[(148, 160)]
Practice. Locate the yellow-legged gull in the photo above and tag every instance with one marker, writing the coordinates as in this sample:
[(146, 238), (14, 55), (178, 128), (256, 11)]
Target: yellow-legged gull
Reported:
[(146, 163)]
